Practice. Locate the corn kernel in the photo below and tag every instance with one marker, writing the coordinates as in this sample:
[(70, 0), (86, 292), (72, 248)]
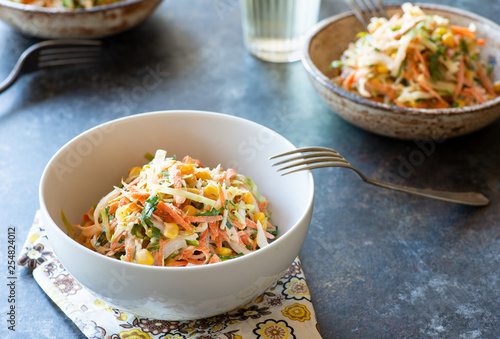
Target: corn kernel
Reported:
[(144, 257), (449, 40), (211, 192), (203, 175), (187, 169), (496, 86), (468, 74), (259, 216), (248, 198), (382, 69), (223, 251), (134, 171), (190, 210), (122, 212), (440, 31), (190, 179), (171, 230)]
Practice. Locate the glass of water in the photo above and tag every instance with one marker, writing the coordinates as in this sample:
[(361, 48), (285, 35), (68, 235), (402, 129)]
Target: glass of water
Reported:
[(274, 30)]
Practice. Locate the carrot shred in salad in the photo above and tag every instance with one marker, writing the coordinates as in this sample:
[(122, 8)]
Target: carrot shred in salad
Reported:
[(417, 60), (178, 213), (66, 3)]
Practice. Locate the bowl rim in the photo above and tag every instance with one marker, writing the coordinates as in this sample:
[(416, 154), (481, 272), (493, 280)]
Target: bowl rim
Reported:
[(237, 261), (318, 76), (63, 11)]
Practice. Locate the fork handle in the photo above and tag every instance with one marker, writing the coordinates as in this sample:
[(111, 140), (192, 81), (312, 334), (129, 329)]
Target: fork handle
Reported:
[(464, 198)]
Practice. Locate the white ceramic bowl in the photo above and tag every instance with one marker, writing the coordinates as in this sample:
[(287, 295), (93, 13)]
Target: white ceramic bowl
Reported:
[(96, 22), (87, 167), (328, 40)]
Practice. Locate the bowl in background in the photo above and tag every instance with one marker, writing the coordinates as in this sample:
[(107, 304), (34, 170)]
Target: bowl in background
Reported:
[(330, 38), (96, 22), (87, 167)]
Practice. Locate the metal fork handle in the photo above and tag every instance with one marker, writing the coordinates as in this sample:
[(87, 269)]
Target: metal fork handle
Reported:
[(465, 198), (12, 77)]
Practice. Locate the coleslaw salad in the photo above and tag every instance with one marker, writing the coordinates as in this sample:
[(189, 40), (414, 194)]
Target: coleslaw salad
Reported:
[(72, 4), (417, 60), (177, 213)]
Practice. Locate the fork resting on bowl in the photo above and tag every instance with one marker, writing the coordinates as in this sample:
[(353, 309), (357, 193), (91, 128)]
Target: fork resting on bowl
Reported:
[(316, 157)]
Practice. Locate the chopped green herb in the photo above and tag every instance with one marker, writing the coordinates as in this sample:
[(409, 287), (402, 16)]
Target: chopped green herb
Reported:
[(464, 47), (337, 64), (137, 231), (273, 232), (154, 232), (193, 242), (213, 211), (153, 247), (101, 238), (226, 257), (210, 257), (71, 230), (149, 208), (149, 156), (433, 67)]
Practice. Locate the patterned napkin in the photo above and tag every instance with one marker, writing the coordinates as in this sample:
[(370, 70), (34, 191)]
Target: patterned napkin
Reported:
[(283, 311)]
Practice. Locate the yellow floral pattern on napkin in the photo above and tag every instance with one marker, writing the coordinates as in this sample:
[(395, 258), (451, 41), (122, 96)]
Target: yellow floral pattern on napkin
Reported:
[(284, 311)]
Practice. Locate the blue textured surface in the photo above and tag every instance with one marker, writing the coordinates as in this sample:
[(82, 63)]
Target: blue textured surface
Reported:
[(379, 264)]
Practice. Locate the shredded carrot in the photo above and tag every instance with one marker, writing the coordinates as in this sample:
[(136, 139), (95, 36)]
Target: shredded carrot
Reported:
[(429, 89), (481, 42), (149, 213), (423, 64), (416, 60), (159, 253), (462, 31), (485, 81), (129, 247), (164, 208), (206, 218), (349, 80)]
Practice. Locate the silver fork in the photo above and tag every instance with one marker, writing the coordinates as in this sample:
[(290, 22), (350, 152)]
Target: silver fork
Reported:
[(364, 10), (53, 53), (317, 157)]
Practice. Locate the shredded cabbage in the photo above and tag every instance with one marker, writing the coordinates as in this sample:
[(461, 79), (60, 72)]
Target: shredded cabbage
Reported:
[(178, 213), (417, 60)]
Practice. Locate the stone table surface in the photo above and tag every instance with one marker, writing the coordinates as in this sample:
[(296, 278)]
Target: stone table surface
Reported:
[(379, 264)]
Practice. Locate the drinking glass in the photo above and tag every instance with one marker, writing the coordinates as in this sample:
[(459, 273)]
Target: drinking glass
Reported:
[(274, 30)]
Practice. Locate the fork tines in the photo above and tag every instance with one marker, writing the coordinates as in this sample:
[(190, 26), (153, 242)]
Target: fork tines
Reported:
[(364, 10), (310, 158), (68, 52)]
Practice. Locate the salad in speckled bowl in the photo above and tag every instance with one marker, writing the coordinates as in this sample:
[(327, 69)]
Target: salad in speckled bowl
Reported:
[(57, 19)]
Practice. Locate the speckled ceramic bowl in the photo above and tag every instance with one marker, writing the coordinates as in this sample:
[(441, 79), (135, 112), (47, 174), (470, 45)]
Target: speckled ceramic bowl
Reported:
[(329, 38), (97, 22)]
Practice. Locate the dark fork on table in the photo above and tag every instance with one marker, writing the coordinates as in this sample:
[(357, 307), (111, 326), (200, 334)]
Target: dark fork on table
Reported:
[(53, 53), (308, 158)]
